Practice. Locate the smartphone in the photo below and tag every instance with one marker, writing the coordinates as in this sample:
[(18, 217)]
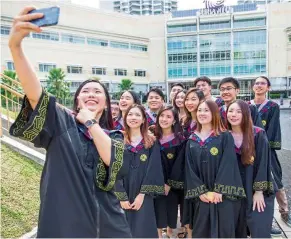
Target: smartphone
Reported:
[(50, 16)]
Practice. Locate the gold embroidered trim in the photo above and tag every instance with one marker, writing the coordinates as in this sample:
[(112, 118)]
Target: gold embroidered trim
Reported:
[(275, 144), (115, 167), (176, 184), (229, 190), (263, 186), (196, 192), (152, 189), (121, 196), (37, 124)]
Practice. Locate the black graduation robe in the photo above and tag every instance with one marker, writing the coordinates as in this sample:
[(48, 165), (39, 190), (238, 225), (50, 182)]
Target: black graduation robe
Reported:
[(211, 166), (75, 189), (254, 115), (257, 177), (270, 115), (145, 176), (166, 207)]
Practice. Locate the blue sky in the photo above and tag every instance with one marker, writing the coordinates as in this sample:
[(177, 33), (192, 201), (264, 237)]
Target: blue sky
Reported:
[(182, 4)]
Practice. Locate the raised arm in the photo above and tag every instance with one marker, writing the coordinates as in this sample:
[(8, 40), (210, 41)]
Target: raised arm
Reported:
[(22, 27)]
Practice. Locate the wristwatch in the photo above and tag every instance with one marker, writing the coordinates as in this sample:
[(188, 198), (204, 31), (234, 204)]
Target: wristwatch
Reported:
[(91, 122)]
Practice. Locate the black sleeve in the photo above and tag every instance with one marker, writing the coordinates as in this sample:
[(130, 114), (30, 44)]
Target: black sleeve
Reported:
[(263, 180), (119, 191), (41, 124), (228, 180), (194, 185), (274, 128), (118, 168), (176, 179), (153, 182)]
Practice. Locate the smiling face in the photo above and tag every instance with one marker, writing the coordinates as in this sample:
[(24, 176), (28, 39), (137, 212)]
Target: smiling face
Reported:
[(180, 99), (204, 87), (228, 92), (204, 115), (134, 118), (126, 100), (234, 114), (166, 119), (174, 91), (114, 110), (93, 95), (155, 101), (261, 86), (191, 102)]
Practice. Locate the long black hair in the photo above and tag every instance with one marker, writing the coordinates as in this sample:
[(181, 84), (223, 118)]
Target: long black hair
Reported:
[(135, 97), (176, 127), (105, 121)]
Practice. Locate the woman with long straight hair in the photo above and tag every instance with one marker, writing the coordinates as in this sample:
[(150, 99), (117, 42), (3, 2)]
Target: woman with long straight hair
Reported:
[(254, 159), (178, 103), (127, 99), (145, 178), (212, 175), (83, 160), (169, 133), (192, 99)]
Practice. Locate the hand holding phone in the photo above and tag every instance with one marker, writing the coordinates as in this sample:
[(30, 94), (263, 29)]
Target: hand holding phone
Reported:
[(50, 16)]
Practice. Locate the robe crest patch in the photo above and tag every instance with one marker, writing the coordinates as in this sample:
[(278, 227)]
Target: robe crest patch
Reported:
[(214, 151), (264, 122), (143, 157), (170, 156)]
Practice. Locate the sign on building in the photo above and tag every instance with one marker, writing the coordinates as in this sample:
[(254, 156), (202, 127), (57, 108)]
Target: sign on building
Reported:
[(214, 7)]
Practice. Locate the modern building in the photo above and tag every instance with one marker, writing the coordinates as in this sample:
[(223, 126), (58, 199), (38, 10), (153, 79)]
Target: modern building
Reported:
[(243, 41), (89, 42), (261, 1), (145, 7)]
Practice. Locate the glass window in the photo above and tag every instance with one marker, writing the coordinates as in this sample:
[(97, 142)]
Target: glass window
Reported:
[(98, 71), (249, 23), (122, 45), (138, 47), (250, 52), (51, 36), (289, 38), (97, 42), (214, 25), (140, 73), (75, 69), (10, 66), (120, 72), (182, 28), (5, 30), (46, 67), (73, 38)]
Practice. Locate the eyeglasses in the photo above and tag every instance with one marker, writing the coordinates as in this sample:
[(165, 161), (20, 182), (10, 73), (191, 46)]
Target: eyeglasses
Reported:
[(260, 83), (227, 89)]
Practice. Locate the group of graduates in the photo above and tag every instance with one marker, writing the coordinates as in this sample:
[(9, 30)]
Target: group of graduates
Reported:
[(213, 158)]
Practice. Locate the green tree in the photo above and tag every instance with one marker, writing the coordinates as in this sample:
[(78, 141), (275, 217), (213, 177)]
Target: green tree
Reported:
[(56, 84), (126, 84)]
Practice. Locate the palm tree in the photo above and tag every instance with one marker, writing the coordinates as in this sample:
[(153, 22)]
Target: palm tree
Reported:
[(56, 84), (126, 84)]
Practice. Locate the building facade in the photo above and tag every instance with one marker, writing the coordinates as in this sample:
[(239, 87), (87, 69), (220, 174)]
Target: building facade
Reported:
[(243, 41), (232, 43), (145, 7), (109, 46)]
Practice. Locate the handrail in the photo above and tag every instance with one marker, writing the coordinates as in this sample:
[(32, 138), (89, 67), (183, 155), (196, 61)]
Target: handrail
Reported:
[(12, 80), (11, 90)]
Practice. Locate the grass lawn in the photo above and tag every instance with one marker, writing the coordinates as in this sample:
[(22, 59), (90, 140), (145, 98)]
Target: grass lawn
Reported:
[(20, 179)]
